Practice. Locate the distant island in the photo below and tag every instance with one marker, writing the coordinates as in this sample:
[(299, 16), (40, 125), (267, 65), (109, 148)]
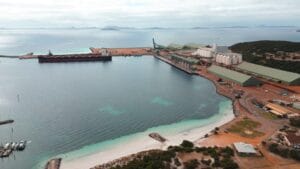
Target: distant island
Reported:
[(282, 55), (116, 28)]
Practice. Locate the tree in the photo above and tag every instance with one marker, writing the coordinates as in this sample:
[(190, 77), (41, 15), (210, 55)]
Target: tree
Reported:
[(295, 121), (187, 144), (295, 154), (228, 163), (193, 164)]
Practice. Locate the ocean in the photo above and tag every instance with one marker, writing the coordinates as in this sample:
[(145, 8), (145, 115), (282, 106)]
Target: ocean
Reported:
[(75, 109)]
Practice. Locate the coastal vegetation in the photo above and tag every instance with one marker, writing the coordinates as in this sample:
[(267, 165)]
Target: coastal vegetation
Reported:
[(246, 128), (264, 52), (216, 157), (284, 151), (295, 121)]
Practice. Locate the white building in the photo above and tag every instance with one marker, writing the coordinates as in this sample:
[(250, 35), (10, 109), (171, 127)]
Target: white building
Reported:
[(205, 53), (244, 148), (229, 58), (220, 56)]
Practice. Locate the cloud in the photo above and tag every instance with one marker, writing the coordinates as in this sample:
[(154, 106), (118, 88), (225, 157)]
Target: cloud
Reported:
[(146, 12)]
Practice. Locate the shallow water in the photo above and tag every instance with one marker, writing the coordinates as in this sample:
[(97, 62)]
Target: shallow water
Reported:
[(63, 107)]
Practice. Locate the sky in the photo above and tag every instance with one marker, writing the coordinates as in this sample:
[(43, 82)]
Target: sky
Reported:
[(148, 13)]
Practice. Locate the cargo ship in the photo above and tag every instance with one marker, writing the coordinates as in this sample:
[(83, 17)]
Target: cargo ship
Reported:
[(73, 58)]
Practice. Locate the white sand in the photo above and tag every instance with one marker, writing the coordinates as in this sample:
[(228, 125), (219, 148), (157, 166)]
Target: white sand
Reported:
[(142, 144)]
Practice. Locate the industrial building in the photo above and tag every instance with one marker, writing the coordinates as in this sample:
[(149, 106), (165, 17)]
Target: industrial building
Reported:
[(268, 73), (205, 54), (185, 62), (293, 139), (241, 79), (244, 149), (277, 110), (218, 54), (229, 58)]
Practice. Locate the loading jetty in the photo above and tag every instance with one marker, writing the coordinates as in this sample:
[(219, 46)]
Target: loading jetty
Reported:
[(168, 61), (73, 58), (53, 163), (6, 122), (6, 56), (157, 137)]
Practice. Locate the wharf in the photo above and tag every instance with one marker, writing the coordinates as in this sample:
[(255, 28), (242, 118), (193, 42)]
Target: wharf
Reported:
[(6, 122), (175, 65), (72, 58), (138, 51), (6, 56), (53, 163)]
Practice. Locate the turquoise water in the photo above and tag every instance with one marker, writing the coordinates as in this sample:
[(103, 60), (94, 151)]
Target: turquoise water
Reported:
[(64, 107), (225, 109)]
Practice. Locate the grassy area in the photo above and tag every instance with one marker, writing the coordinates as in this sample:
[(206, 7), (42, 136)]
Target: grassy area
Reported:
[(246, 128), (268, 115)]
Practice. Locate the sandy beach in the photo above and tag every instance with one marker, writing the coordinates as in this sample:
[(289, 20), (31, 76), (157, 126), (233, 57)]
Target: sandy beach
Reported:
[(142, 144)]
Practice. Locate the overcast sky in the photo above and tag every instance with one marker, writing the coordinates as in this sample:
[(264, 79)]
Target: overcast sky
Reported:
[(148, 13)]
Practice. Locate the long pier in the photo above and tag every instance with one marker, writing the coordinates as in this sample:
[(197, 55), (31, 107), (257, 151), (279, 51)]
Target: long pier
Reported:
[(6, 56), (137, 51), (6, 122), (174, 64), (97, 54)]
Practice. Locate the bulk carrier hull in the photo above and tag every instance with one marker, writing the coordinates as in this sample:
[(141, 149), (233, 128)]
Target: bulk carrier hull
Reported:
[(73, 58)]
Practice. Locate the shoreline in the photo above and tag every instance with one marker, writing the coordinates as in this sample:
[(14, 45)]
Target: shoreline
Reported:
[(196, 135), (144, 143)]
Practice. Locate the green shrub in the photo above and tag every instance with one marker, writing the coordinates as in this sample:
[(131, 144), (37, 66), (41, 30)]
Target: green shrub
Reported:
[(295, 154), (228, 163), (187, 144), (177, 162), (295, 121), (193, 164)]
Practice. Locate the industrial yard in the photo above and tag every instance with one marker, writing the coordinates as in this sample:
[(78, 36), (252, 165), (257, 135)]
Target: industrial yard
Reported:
[(267, 96)]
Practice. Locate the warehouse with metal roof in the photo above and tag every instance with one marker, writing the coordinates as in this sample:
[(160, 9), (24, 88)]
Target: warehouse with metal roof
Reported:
[(237, 77), (277, 75)]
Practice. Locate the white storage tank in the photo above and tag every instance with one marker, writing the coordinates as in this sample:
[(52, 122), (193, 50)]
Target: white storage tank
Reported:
[(228, 60), (234, 59), (240, 58)]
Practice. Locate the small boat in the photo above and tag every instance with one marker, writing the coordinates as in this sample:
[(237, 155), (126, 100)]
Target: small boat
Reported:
[(14, 145), (7, 146), (21, 146)]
